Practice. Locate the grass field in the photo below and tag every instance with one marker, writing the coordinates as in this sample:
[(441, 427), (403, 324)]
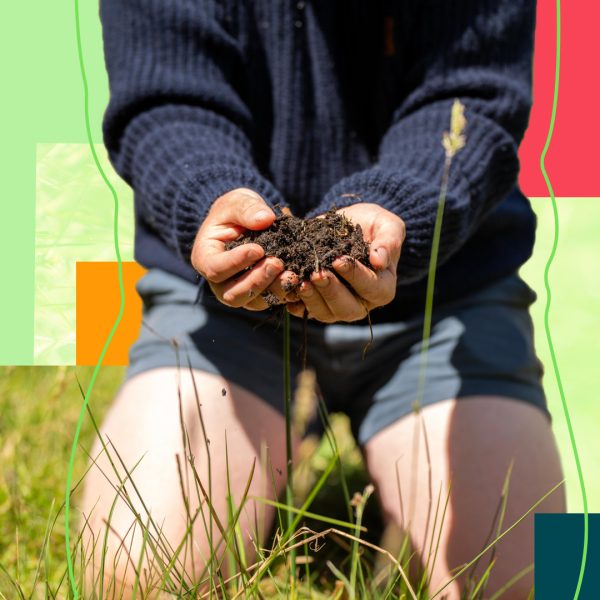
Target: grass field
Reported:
[(39, 407)]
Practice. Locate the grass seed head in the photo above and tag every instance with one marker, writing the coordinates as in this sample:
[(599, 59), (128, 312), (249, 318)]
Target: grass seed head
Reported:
[(454, 140)]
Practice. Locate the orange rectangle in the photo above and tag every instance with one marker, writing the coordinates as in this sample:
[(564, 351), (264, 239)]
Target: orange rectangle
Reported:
[(98, 300)]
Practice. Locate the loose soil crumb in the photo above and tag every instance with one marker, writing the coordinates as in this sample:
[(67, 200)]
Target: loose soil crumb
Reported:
[(306, 246)]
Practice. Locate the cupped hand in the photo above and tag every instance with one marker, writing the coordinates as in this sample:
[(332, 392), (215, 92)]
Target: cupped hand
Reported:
[(238, 276), (328, 300)]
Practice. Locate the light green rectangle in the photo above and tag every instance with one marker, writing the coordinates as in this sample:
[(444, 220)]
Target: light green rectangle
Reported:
[(74, 222), (575, 327), (42, 100), (17, 222)]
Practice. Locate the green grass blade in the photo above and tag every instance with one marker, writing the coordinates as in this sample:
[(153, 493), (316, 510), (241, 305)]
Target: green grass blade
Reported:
[(482, 583), (43, 549), (512, 582), (304, 513)]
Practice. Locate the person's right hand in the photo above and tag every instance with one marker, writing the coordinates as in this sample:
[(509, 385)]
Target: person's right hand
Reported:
[(225, 270)]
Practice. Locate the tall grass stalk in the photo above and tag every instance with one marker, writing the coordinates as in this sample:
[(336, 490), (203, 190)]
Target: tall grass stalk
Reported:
[(359, 503), (453, 141), (287, 398)]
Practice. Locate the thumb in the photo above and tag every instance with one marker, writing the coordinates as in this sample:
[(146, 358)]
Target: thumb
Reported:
[(386, 244), (246, 208)]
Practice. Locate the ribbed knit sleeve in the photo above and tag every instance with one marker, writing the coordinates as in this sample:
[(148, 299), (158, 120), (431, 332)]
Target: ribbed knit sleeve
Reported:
[(479, 51), (176, 128)]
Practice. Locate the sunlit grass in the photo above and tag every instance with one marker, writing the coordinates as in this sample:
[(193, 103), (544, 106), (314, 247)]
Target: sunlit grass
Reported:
[(337, 545)]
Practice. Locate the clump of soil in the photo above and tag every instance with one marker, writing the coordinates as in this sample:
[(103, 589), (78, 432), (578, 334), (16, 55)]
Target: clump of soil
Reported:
[(306, 246)]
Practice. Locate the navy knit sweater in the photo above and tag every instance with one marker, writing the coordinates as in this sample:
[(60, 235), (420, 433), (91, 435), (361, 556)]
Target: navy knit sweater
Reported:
[(323, 103)]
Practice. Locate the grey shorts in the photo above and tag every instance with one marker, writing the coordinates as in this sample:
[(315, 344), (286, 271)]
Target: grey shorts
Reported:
[(481, 344)]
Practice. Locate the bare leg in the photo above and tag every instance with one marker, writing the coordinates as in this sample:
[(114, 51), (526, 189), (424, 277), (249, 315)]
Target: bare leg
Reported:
[(471, 444), (145, 423)]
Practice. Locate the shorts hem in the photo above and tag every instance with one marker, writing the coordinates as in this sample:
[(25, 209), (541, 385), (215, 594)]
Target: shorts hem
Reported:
[(467, 390)]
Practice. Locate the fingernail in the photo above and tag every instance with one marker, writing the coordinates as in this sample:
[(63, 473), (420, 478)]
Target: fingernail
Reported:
[(321, 281), (254, 254), (306, 290), (261, 215), (273, 269), (383, 255), (345, 264), (290, 282)]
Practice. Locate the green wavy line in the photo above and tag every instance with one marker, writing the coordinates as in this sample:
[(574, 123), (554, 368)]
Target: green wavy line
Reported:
[(549, 299), (88, 130)]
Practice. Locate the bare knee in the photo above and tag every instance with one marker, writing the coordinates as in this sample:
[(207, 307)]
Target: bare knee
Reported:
[(175, 459), (464, 472), (126, 552)]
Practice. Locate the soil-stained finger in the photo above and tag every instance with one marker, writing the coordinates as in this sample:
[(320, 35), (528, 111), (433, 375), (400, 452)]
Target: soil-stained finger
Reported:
[(377, 288), (259, 303), (342, 303), (386, 245), (248, 286), (315, 304), (218, 266), (284, 287), (296, 308)]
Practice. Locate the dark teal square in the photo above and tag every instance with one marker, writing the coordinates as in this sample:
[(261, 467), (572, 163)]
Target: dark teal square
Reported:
[(558, 553)]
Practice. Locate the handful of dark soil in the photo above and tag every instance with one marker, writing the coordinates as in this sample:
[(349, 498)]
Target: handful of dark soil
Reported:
[(306, 246)]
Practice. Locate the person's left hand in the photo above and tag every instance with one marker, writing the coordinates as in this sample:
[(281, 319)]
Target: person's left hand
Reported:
[(328, 300)]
